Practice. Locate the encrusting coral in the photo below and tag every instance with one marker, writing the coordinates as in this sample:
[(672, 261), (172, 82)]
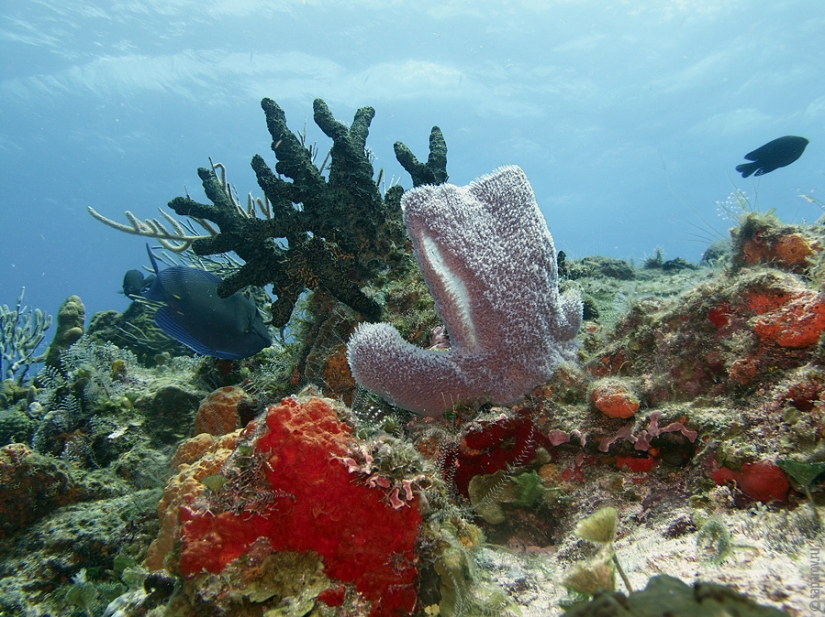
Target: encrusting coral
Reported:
[(33, 485), (489, 261), (614, 399)]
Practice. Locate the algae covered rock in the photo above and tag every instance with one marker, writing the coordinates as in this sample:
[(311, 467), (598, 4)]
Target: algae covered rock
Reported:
[(134, 329), (600, 266), (169, 407), (666, 596), (74, 549), (15, 426), (31, 486), (761, 238), (70, 321)]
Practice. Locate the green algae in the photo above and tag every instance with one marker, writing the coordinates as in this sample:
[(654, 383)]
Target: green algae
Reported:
[(666, 596), (486, 494)]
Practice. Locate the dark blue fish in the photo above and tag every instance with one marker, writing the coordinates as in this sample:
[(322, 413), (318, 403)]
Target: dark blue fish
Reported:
[(134, 284), (194, 314), (773, 155)]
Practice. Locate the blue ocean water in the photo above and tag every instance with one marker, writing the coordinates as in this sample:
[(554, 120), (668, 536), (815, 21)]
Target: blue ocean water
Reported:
[(628, 117)]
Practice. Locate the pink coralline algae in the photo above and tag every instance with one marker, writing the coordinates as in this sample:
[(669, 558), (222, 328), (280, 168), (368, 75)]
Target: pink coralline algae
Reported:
[(642, 440), (489, 261)]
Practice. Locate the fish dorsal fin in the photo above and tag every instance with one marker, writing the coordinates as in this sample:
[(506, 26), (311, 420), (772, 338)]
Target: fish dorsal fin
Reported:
[(152, 259), (172, 279), (155, 293)]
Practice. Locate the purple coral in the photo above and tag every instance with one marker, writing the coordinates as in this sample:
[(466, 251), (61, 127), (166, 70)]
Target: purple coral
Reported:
[(489, 261)]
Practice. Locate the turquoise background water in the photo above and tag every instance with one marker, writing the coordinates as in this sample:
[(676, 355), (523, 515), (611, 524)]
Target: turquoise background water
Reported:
[(628, 117)]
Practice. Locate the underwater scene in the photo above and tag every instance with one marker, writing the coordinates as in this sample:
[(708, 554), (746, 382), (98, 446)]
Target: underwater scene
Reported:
[(349, 309)]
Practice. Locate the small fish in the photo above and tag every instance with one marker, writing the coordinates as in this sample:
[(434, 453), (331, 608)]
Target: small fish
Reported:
[(773, 155), (134, 284), (194, 315)]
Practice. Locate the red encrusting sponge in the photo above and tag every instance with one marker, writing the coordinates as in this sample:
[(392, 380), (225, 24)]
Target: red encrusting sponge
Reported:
[(318, 506)]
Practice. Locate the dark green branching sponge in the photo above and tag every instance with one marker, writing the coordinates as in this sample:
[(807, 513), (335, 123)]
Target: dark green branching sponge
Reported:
[(335, 231)]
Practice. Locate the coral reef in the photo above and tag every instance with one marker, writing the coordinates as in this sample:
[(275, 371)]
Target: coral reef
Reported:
[(75, 408), (221, 411), (134, 329), (169, 408), (692, 413), (33, 486), (489, 261), (79, 482), (471, 513), (762, 238), (758, 319), (601, 266), (88, 538), (195, 459)]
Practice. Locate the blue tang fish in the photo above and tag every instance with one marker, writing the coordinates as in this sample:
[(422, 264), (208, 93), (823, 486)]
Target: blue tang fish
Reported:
[(194, 315)]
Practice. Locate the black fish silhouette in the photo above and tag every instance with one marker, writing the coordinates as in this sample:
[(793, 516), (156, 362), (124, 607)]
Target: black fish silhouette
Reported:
[(773, 155), (194, 314), (134, 283)]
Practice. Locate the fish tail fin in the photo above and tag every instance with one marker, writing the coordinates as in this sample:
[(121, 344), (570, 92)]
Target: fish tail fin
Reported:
[(152, 258), (746, 169)]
